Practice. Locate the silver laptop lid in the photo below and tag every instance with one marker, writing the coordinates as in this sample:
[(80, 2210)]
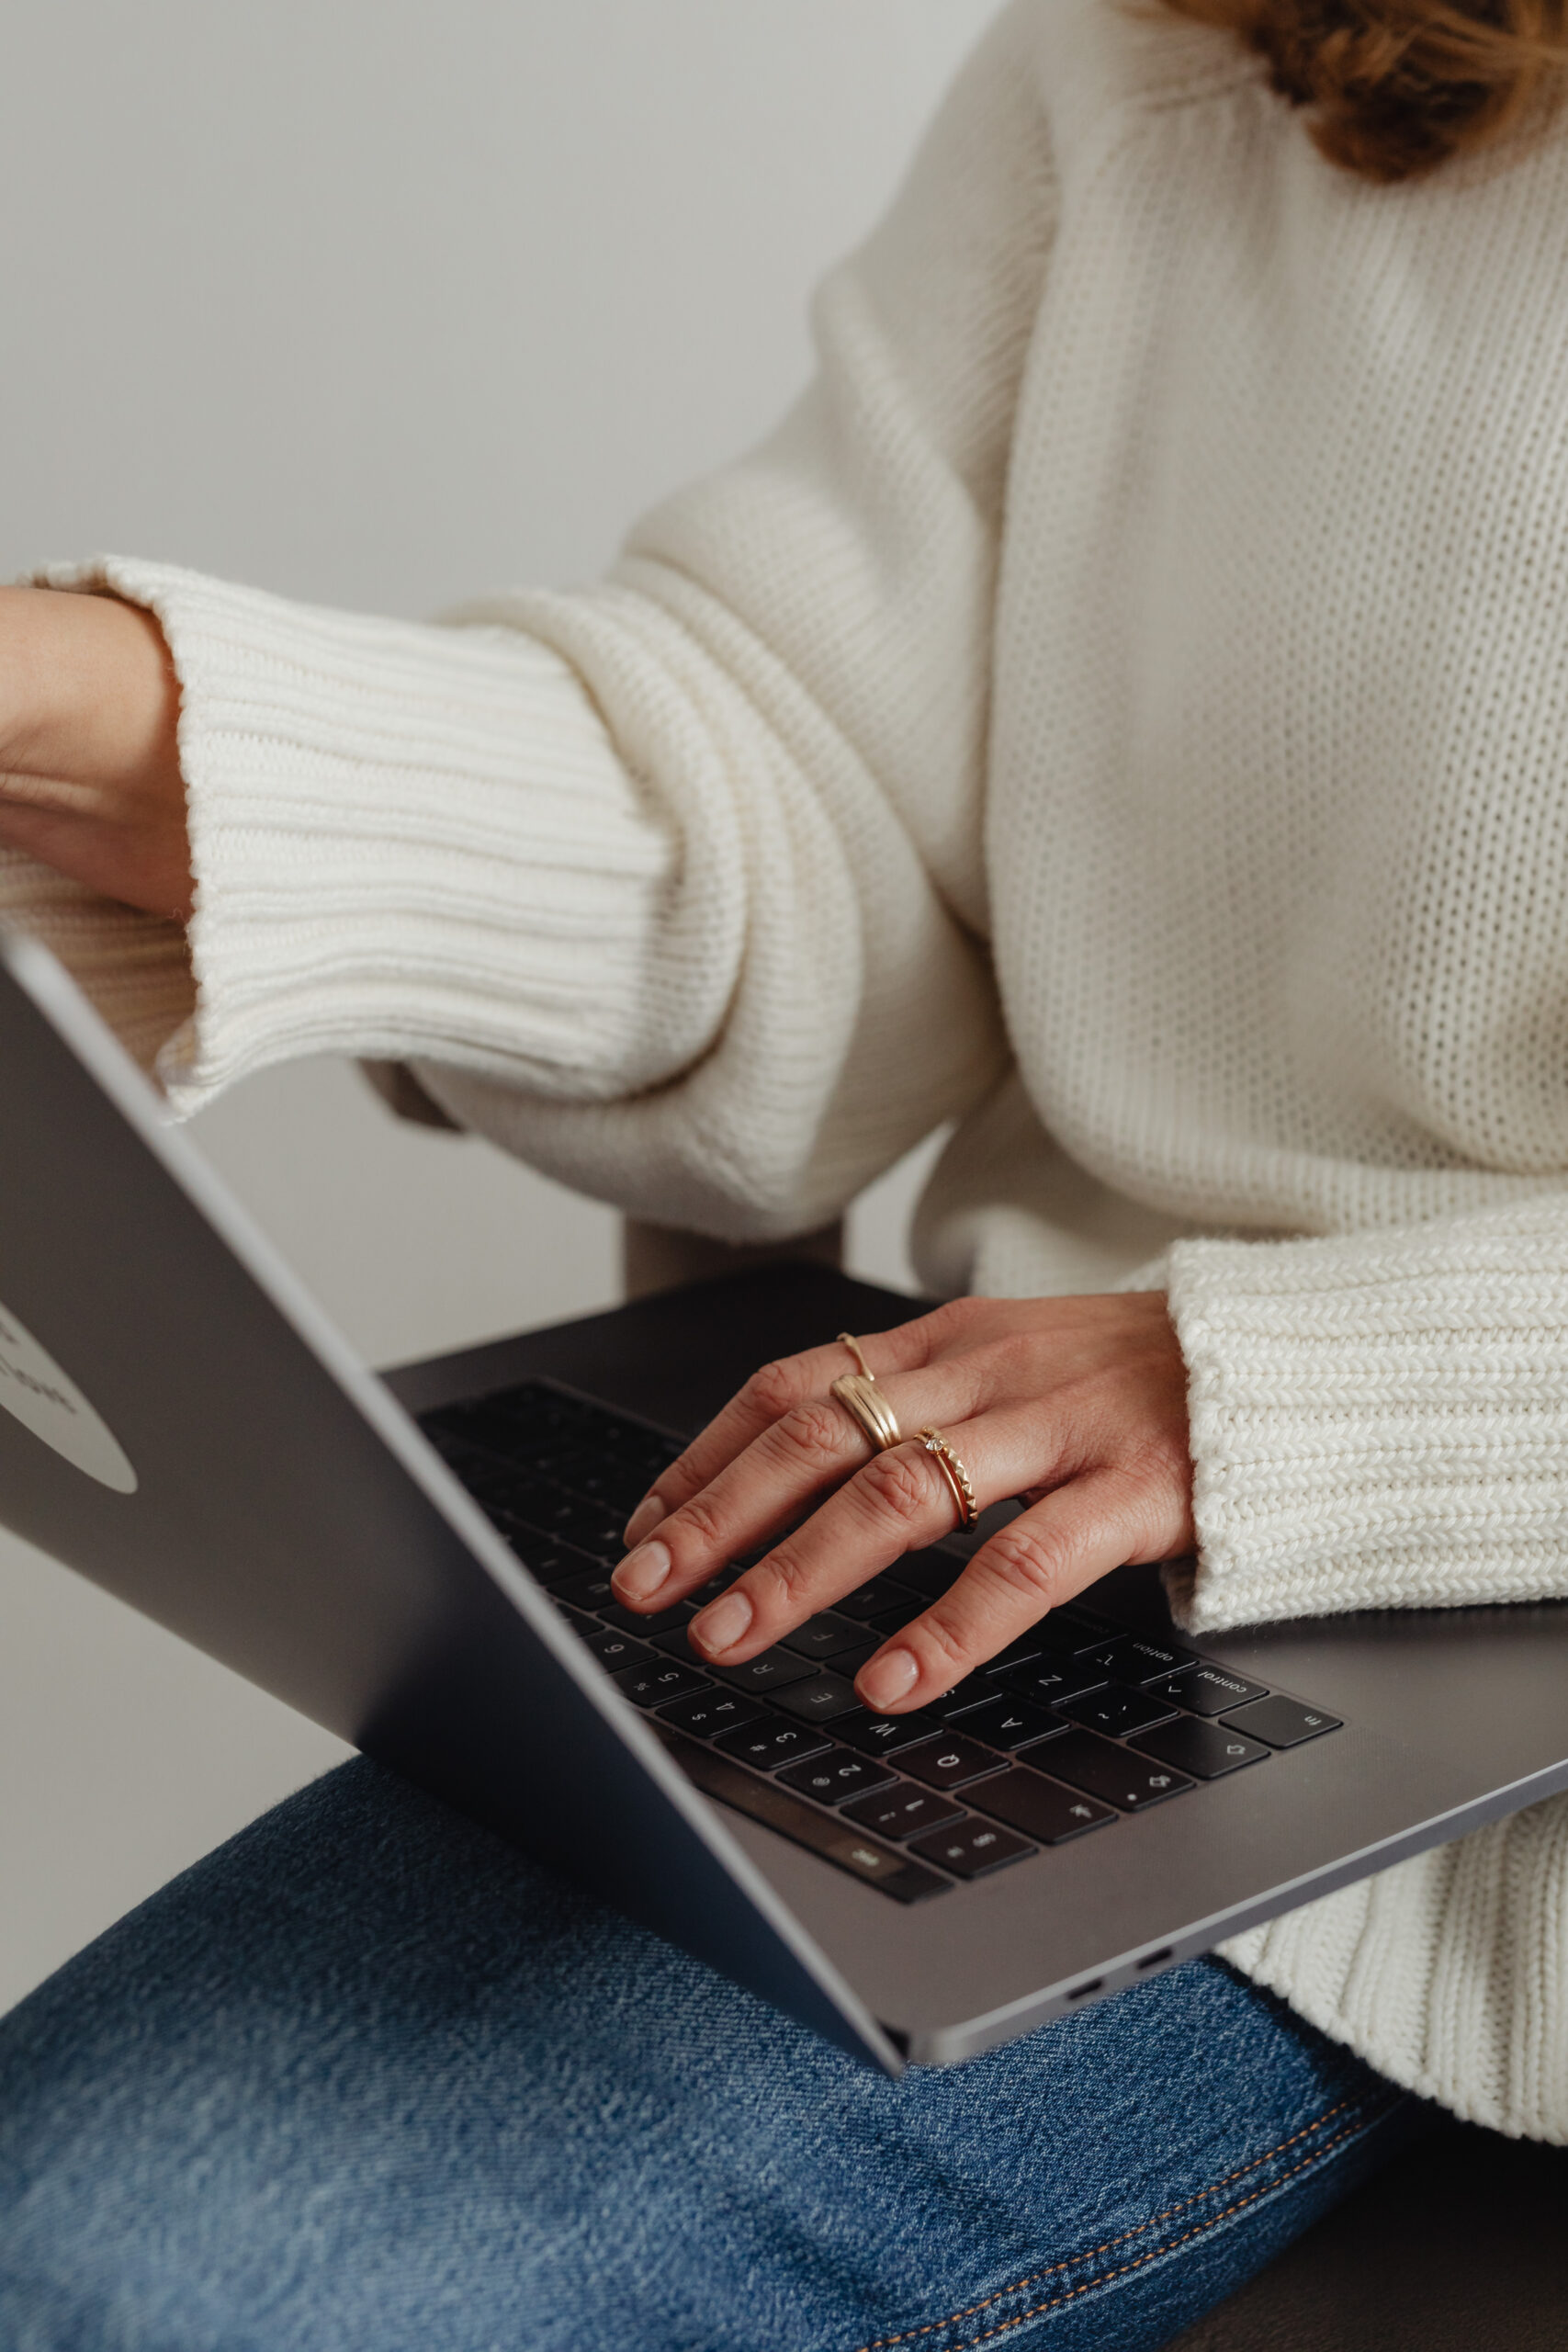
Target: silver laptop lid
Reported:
[(183, 1425)]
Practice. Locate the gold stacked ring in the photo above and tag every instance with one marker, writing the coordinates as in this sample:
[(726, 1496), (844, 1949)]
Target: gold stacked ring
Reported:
[(860, 1397), (957, 1477), (858, 1393)]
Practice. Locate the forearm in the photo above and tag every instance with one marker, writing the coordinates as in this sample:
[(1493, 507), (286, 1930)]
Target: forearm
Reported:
[(89, 764)]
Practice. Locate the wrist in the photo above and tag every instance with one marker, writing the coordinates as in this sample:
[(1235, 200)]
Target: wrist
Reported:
[(91, 695), (90, 777)]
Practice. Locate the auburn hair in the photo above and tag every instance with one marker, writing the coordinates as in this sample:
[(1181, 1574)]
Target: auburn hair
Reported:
[(1397, 86)]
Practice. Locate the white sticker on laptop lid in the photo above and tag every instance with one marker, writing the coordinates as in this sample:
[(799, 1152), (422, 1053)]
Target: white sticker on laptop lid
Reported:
[(35, 1391)]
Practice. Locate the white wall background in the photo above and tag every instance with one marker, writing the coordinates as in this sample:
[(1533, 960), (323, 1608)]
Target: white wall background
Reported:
[(382, 302)]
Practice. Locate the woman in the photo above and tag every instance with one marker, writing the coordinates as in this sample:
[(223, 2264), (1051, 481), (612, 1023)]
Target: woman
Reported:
[(1122, 710)]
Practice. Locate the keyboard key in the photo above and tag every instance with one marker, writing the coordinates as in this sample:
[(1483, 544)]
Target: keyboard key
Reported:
[(884, 1734), (589, 1478), (525, 1501), (1139, 1659), (627, 1621), (930, 1574), (1210, 1690), (615, 1650), (1207, 1750), (1283, 1723), (974, 1690), (1009, 1724), (820, 1700), (948, 1763), (1118, 1713), (619, 1448), (894, 1619), (1051, 1681), (837, 1776), (903, 1811), (591, 1590), (873, 1598), (614, 1486), (673, 1641), (586, 1627), (773, 1671), (1100, 1769), (967, 1540), (708, 1712), (1021, 1652), (1042, 1809), (602, 1537), (592, 1529), (771, 1742), (716, 1584), (547, 1508), (850, 1661), (824, 1637), (1073, 1631), (551, 1563), (849, 1849), (971, 1849), (649, 1686)]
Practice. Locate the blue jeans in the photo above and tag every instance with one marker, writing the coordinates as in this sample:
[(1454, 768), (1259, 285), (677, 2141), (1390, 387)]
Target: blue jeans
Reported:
[(367, 2081)]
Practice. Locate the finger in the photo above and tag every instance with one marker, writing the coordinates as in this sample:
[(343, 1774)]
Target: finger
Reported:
[(772, 1392), (898, 1501), (769, 1487), (1041, 1559)]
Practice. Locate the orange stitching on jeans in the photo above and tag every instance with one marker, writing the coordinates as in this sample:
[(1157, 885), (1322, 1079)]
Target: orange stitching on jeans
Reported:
[(1169, 2214), (989, 2335)]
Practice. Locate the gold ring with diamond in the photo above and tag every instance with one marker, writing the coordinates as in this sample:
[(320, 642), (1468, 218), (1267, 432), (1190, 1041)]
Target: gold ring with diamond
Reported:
[(958, 1476)]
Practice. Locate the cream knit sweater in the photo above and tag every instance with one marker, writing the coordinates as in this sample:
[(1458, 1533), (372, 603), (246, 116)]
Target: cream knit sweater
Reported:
[(1125, 708)]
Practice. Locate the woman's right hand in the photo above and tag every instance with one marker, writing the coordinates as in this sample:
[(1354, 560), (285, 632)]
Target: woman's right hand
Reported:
[(89, 770)]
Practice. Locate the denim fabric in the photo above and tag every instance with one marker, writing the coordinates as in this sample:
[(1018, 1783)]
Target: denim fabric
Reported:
[(367, 2081)]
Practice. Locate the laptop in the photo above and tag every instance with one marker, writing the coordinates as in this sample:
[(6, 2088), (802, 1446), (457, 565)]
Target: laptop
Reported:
[(420, 1562)]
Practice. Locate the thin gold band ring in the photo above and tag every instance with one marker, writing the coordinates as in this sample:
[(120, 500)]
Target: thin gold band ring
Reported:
[(958, 1476)]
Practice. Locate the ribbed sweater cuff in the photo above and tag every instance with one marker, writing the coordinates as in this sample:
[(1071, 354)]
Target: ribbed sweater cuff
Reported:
[(1378, 1420), (407, 842)]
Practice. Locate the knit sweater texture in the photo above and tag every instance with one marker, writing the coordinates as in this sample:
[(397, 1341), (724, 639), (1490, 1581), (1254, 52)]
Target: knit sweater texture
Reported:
[(1122, 710)]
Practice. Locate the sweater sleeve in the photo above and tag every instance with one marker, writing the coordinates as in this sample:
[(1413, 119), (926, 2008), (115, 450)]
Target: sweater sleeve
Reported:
[(1379, 1419), (673, 886)]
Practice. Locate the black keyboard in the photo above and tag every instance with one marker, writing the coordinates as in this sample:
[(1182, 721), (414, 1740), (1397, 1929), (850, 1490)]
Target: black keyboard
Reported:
[(1077, 1722)]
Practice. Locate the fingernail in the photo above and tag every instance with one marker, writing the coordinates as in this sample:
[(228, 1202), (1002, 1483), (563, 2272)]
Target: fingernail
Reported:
[(644, 1520), (889, 1677), (639, 1576), (720, 1627)]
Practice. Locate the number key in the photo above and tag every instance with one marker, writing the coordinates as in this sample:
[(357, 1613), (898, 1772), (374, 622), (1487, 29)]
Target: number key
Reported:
[(971, 1847), (903, 1811), (837, 1777), (649, 1686), (771, 1743)]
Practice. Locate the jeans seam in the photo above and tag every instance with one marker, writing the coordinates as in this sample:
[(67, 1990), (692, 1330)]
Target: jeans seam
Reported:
[(1089, 2253)]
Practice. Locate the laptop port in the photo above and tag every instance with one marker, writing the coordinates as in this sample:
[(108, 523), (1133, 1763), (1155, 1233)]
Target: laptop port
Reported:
[(1157, 1958), (1081, 1991)]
